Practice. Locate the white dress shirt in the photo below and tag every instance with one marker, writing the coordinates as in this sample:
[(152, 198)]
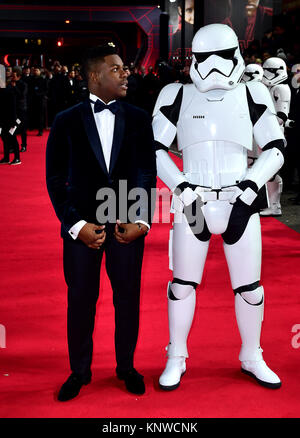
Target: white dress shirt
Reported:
[(105, 123)]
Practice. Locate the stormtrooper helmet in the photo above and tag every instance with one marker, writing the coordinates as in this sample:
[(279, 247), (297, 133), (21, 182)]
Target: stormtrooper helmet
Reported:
[(253, 73), (217, 62), (274, 71)]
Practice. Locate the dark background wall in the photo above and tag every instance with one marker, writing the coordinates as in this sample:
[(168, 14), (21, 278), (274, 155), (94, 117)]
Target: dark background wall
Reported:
[(30, 30)]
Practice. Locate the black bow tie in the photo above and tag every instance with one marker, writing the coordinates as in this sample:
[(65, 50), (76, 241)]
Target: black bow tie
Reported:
[(100, 106)]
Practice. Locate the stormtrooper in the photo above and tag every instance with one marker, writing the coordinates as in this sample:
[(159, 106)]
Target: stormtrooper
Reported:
[(215, 118), (253, 72), (275, 73)]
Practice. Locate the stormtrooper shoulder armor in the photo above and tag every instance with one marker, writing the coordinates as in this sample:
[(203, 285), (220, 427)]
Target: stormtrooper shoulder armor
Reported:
[(261, 95), (282, 92), (166, 114), (262, 111), (282, 96)]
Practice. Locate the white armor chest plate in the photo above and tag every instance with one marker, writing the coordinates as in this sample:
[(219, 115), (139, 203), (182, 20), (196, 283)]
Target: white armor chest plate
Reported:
[(214, 131), (216, 115)]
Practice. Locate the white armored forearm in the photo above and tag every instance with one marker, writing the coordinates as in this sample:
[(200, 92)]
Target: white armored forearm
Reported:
[(267, 165)]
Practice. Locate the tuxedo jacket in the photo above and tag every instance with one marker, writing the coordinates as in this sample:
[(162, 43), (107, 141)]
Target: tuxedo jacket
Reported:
[(76, 169)]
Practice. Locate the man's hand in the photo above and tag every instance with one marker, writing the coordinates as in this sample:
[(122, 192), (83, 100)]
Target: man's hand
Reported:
[(130, 232), (92, 235)]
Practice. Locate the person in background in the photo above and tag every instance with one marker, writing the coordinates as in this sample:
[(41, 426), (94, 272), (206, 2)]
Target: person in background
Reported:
[(20, 89), (8, 71), (8, 125), (38, 92), (70, 89)]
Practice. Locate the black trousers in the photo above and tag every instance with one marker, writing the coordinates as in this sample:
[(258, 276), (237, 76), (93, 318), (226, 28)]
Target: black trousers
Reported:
[(10, 142), (22, 129), (82, 275)]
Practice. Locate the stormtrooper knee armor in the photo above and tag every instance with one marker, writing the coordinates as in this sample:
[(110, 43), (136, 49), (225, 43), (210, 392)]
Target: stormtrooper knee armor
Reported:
[(215, 119)]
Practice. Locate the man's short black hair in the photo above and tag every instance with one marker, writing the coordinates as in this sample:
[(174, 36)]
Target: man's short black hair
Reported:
[(96, 54), (17, 70)]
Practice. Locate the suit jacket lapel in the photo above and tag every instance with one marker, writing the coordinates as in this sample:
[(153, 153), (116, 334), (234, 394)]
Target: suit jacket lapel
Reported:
[(92, 133), (117, 138)]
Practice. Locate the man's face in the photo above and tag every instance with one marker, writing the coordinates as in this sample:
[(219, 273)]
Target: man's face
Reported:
[(127, 71), (36, 72), (14, 76), (250, 7), (108, 78), (189, 11)]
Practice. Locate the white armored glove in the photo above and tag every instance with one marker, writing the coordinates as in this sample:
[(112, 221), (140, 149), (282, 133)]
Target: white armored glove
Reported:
[(187, 193), (290, 123), (246, 191)]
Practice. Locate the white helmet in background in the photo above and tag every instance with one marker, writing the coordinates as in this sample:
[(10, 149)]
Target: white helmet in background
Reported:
[(2, 76), (275, 71), (217, 61), (296, 75), (253, 73)]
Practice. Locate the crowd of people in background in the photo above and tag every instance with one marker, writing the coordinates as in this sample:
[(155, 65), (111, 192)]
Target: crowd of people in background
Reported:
[(40, 93)]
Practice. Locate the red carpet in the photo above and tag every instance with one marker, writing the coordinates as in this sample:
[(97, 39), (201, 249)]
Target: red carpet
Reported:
[(33, 310)]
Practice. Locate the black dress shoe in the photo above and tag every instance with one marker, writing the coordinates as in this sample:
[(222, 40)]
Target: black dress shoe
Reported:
[(4, 161), (72, 386), (23, 149), (134, 381), (15, 162)]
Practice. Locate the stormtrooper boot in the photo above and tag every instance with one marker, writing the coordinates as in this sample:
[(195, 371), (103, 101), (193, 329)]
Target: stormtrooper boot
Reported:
[(274, 193), (181, 313), (249, 315)]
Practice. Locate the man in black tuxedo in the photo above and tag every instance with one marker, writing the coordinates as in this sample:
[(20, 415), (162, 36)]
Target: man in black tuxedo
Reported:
[(20, 89), (100, 144), (38, 92), (8, 125)]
